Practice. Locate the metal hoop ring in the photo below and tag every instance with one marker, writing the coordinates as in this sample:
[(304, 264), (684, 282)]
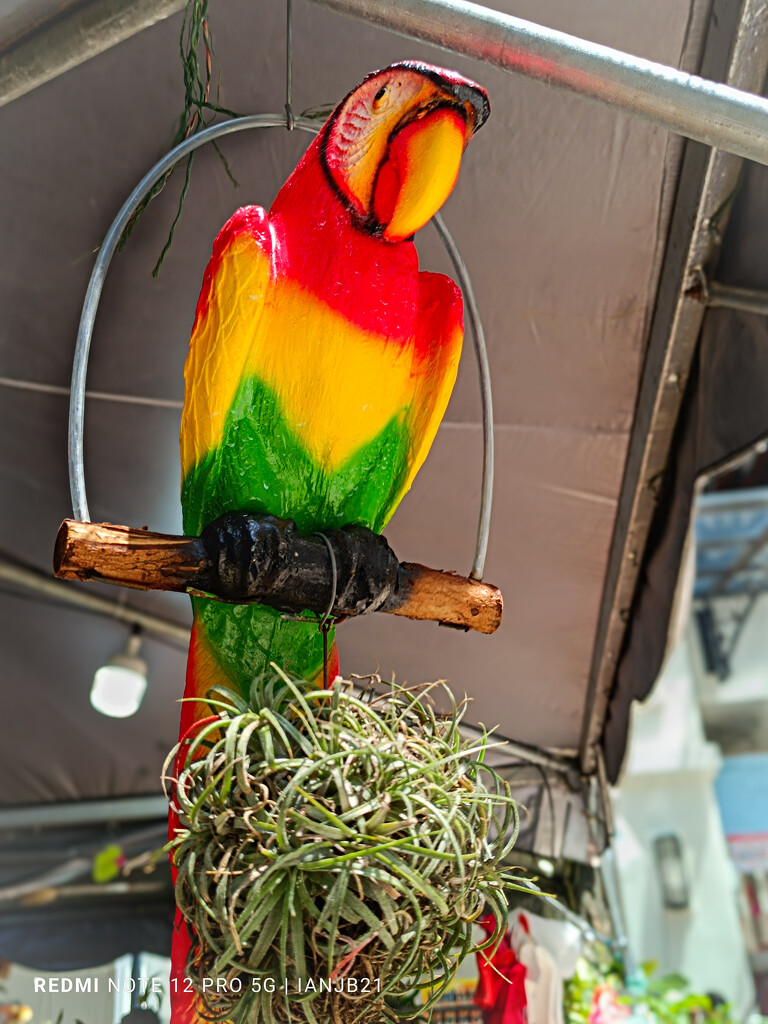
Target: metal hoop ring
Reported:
[(96, 284)]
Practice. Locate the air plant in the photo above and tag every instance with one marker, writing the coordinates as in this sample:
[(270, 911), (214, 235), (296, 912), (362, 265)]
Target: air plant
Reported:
[(333, 849)]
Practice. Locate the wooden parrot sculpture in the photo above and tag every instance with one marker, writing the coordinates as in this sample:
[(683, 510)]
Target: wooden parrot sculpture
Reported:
[(321, 360)]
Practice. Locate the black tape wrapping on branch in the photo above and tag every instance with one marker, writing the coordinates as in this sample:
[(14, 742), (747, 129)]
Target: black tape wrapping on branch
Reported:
[(266, 559)]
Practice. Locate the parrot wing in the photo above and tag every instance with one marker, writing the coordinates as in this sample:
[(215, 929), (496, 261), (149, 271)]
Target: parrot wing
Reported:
[(440, 332), (229, 309), (238, 286)]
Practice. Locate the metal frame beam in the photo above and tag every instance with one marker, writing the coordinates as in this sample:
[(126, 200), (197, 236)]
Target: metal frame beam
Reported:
[(723, 116), (73, 37), (751, 549), (707, 186), (701, 600), (717, 573), (718, 115), (748, 300), (712, 545), (134, 808), (66, 593), (750, 502)]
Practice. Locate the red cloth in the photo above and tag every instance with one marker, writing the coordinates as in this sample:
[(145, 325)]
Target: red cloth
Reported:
[(500, 992)]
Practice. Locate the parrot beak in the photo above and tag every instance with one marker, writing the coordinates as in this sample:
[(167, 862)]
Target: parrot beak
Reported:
[(393, 147), (422, 162), (419, 173)]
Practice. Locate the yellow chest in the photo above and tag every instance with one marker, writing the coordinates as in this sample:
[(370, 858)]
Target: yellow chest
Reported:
[(337, 384)]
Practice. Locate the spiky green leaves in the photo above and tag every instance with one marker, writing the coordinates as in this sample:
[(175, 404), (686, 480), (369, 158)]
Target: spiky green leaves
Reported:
[(333, 851)]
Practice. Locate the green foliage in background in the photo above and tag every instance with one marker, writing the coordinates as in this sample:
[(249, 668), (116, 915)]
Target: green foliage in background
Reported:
[(664, 1000)]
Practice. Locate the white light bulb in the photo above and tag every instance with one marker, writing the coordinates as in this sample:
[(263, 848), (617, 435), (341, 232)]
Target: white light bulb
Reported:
[(119, 686)]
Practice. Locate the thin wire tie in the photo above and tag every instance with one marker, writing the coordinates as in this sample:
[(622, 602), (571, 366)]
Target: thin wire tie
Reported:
[(289, 118), (334, 584), (326, 622)]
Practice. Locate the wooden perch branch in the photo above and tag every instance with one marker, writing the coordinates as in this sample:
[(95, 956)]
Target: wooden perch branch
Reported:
[(242, 558)]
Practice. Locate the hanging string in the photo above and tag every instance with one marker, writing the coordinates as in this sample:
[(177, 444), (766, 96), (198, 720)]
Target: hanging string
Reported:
[(325, 629), (326, 623), (289, 121), (199, 110), (334, 580)]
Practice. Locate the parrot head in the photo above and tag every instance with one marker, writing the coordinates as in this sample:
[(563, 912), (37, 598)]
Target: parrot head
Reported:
[(392, 148)]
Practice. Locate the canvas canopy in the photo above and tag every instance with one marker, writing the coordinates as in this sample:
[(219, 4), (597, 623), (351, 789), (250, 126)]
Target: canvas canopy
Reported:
[(575, 222)]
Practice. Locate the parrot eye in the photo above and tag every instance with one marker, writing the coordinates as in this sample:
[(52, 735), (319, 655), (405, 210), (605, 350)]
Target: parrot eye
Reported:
[(381, 98)]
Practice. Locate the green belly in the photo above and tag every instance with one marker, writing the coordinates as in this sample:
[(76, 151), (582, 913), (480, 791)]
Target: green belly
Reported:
[(261, 467)]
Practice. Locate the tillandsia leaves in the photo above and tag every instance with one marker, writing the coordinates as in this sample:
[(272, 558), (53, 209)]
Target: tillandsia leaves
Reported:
[(340, 844)]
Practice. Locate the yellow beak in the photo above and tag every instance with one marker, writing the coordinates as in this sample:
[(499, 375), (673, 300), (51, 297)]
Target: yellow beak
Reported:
[(419, 172)]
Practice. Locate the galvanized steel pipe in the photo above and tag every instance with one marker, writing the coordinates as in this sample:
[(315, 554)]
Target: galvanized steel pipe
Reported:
[(38, 582), (70, 37), (715, 114), (718, 115), (730, 297)]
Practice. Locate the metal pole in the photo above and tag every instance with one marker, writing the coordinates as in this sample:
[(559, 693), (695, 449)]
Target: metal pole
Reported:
[(718, 115), (715, 114), (31, 579), (74, 36), (121, 809), (730, 297)]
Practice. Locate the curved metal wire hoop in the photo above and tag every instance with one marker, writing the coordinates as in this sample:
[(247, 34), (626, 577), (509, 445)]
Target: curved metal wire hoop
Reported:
[(96, 283)]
